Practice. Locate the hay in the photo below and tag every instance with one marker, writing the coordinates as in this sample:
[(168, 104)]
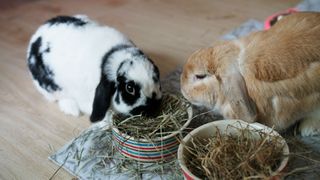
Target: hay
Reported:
[(170, 119), (227, 156)]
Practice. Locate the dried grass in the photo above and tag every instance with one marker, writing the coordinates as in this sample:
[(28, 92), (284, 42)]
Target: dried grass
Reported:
[(170, 118), (251, 154)]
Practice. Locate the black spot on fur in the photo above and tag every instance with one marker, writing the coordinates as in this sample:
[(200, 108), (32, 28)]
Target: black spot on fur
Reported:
[(156, 75), (39, 71), (128, 98), (151, 108), (47, 50), (117, 98), (66, 20), (137, 52)]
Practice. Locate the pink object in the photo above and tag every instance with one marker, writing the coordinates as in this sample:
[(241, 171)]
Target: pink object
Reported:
[(188, 176), (267, 22)]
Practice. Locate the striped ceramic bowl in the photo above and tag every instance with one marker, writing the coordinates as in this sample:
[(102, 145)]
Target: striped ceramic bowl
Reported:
[(159, 149)]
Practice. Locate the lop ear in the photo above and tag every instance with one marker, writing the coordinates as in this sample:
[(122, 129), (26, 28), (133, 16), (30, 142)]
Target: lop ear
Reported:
[(102, 99), (235, 91)]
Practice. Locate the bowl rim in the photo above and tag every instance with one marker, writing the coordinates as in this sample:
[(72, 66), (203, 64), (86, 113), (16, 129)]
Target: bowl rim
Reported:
[(174, 133), (255, 125)]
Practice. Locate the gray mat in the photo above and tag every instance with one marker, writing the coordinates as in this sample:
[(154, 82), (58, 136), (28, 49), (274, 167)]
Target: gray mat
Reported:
[(91, 155)]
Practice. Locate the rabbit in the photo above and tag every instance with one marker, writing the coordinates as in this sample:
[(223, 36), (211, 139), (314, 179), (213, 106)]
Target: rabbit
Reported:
[(91, 69), (271, 77)]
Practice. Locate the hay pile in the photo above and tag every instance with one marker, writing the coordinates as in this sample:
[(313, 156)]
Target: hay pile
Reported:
[(170, 118), (235, 157)]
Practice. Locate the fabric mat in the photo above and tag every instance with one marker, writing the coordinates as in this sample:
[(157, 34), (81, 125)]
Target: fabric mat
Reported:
[(91, 155)]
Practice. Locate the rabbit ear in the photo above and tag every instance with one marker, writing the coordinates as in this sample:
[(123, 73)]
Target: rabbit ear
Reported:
[(235, 91), (102, 99)]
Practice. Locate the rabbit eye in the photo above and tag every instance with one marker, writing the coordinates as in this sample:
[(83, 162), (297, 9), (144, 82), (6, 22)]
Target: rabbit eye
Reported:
[(201, 76), (130, 89)]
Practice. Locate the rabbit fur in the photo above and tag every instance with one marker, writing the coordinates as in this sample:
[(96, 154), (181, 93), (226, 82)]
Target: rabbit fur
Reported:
[(271, 77), (91, 69)]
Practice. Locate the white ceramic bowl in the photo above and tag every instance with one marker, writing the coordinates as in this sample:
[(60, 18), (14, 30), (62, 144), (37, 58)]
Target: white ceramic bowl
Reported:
[(209, 130)]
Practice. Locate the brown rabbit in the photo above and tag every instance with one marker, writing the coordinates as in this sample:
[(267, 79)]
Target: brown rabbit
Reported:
[(271, 77)]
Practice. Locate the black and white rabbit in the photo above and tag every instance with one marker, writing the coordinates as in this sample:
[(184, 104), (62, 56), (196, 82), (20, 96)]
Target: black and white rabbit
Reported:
[(89, 68)]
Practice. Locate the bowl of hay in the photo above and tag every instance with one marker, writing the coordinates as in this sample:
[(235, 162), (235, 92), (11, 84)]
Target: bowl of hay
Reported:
[(232, 149), (153, 139)]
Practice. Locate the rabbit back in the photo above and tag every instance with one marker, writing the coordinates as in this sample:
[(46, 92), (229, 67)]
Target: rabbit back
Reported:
[(65, 55), (282, 69)]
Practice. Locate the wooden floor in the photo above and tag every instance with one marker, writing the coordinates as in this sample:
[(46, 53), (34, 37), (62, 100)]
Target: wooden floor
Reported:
[(31, 128)]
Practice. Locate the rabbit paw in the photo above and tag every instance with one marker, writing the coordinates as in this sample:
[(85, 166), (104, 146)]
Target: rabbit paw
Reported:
[(310, 126)]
